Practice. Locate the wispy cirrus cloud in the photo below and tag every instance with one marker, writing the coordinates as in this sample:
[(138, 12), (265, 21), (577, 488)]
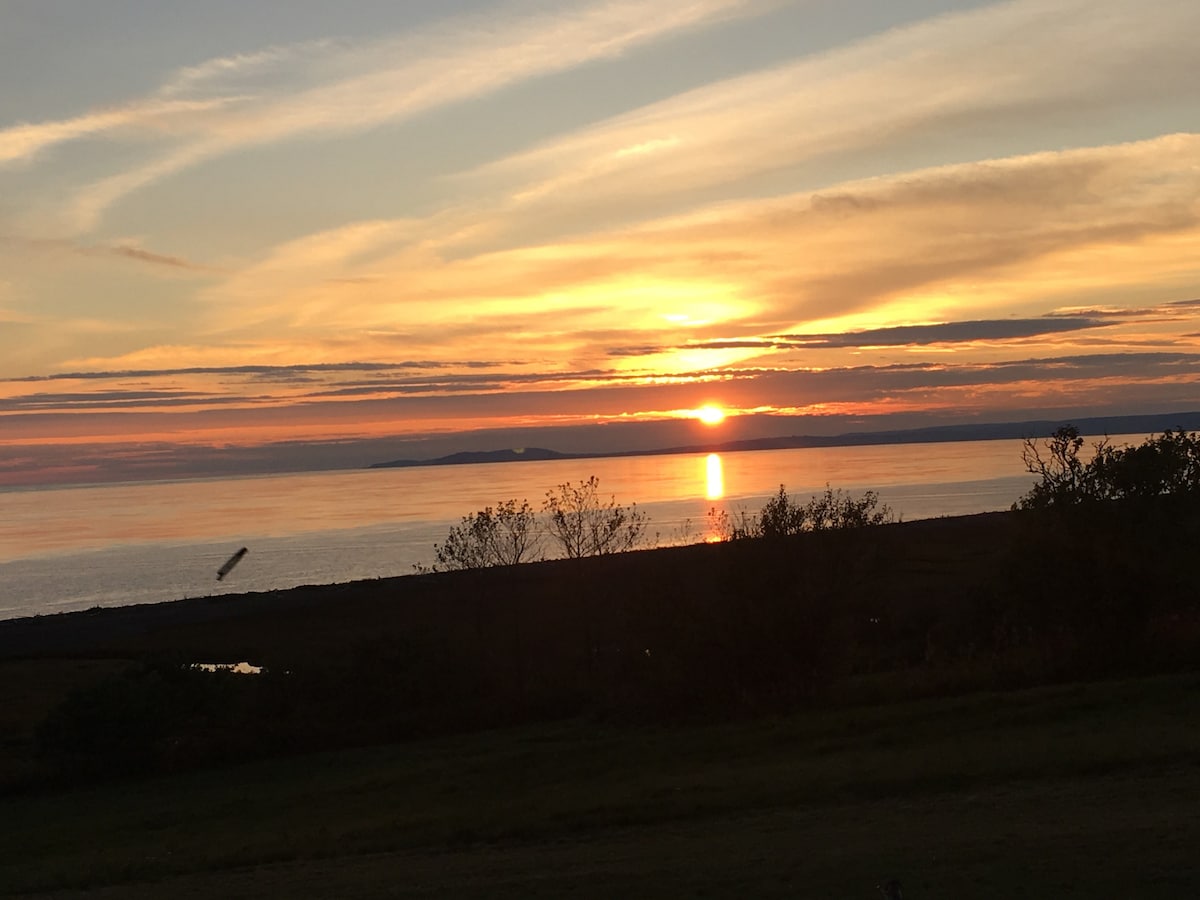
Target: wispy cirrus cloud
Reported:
[(24, 142), (1018, 236), (946, 75), (330, 87)]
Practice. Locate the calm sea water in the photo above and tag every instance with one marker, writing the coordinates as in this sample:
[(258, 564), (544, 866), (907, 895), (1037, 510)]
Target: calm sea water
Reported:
[(68, 548)]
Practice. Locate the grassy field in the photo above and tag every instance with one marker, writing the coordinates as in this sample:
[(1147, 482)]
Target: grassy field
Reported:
[(1078, 790)]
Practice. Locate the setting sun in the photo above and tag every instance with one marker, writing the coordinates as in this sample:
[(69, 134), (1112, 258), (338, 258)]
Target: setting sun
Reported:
[(710, 415)]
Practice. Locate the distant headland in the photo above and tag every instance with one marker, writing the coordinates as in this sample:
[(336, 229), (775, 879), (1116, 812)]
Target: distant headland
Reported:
[(993, 431)]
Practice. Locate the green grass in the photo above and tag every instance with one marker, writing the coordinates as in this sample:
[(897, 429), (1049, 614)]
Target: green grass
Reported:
[(1086, 789)]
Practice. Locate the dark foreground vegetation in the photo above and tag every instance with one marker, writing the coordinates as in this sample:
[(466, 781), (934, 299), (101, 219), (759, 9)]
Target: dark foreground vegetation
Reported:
[(982, 706), (1071, 791)]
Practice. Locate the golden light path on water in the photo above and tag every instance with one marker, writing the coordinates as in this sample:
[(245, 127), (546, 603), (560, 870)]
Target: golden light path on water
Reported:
[(714, 477)]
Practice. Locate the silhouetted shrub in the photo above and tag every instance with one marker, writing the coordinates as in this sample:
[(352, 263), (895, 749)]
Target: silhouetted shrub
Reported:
[(835, 510), (783, 516), (578, 521), (504, 535), (1100, 545), (1169, 464), (1164, 465), (583, 524)]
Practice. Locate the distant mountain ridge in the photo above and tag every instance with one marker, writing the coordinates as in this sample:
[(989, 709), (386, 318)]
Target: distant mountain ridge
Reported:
[(470, 457), (992, 431)]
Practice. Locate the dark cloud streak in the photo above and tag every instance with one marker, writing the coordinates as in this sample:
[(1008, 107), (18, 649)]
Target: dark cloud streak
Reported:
[(117, 400), (120, 251), (944, 333), (158, 259), (259, 370), (972, 331)]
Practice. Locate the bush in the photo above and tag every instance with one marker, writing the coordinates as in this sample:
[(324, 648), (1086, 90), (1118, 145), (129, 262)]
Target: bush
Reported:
[(1166, 465), (1160, 466), (782, 516), (577, 520), (835, 510), (585, 525), (501, 536), (1094, 574)]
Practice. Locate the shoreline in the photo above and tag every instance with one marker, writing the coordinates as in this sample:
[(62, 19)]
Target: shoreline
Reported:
[(107, 629)]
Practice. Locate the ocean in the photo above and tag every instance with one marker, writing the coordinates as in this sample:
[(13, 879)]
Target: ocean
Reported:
[(70, 548)]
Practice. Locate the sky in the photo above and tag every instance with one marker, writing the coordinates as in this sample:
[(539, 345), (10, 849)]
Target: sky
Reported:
[(237, 237)]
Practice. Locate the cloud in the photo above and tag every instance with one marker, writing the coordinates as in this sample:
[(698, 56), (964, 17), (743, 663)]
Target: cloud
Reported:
[(970, 242), (259, 371), (121, 250), (616, 247), (958, 71), (157, 259), (21, 143), (226, 73), (1096, 381), (244, 412), (942, 241), (329, 88), (1168, 311), (122, 399), (970, 332)]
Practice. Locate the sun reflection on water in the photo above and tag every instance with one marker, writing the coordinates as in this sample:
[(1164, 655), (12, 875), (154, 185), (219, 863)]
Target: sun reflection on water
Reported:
[(714, 477)]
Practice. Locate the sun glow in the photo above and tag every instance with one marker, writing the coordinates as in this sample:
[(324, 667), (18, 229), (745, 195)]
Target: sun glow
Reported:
[(710, 415)]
